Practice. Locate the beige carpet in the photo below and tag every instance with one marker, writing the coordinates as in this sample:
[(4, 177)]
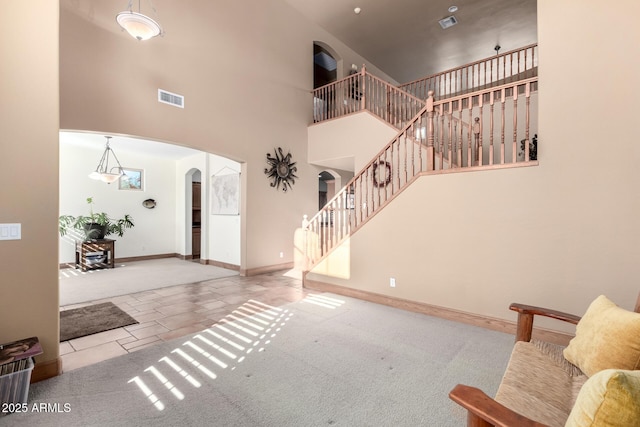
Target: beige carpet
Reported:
[(326, 361), (131, 277)]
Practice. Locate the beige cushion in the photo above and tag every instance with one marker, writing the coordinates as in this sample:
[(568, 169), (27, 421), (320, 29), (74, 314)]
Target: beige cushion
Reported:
[(609, 398), (539, 384), (607, 337)]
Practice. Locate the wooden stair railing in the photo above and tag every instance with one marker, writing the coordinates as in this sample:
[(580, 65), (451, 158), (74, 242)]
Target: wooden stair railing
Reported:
[(435, 139), (364, 91), (508, 67)]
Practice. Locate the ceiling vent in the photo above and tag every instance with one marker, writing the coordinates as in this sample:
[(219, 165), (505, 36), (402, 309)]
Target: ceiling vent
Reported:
[(170, 98), (448, 22)]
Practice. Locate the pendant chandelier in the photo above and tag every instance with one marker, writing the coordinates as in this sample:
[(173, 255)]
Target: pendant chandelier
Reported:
[(105, 173), (139, 26)]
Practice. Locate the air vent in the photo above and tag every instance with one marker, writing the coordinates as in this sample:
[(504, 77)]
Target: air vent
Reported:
[(448, 22), (170, 98)]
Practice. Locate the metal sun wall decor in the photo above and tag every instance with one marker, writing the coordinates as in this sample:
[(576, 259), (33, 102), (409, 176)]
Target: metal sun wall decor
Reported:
[(282, 170)]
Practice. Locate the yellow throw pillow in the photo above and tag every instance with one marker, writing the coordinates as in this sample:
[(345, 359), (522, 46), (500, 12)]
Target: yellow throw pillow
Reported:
[(609, 398), (607, 337)]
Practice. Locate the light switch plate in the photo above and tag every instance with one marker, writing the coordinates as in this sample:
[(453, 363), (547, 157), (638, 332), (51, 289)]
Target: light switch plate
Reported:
[(10, 231)]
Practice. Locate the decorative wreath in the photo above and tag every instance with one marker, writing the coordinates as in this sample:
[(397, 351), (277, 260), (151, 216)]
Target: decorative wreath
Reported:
[(380, 178), (282, 170)]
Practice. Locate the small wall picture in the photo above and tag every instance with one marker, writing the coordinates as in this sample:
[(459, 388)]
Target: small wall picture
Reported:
[(133, 179)]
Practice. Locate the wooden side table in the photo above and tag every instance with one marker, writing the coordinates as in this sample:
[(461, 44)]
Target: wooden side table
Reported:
[(105, 246)]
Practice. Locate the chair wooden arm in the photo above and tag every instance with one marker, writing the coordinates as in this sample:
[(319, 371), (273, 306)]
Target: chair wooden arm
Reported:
[(483, 411), (525, 318)]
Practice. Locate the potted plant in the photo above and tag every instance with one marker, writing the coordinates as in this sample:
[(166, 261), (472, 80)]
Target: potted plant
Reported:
[(96, 225)]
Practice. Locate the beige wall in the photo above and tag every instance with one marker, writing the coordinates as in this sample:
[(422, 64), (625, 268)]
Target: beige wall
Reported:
[(554, 235), (350, 142), (29, 171)]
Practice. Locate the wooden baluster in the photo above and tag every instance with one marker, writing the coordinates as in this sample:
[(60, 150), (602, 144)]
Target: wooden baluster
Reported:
[(514, 149), (363, 74), (476, 136), (441, 114), (480, 144), (473, 79), (519, 52), (459, 136), (323, 238), (406, 154), (336, 221), (502, 130), (491, 128), (388, 112), (450, 137), (421, 139), (430, 131), (527, 94), (469, 141)]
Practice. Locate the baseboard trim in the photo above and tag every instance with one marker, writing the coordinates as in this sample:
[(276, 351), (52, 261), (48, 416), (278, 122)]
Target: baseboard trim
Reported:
[(266, 269), (45, 370), (486, 322), (221, 264), (129, 259), (147, 257)]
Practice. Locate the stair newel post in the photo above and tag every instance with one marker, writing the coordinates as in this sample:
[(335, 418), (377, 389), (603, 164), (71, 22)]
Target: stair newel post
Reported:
[(364, 89), (430, 132)]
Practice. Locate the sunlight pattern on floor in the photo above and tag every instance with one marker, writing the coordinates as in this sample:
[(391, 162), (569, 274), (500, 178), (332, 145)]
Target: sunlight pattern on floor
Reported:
[(222, 346), (323, 301)]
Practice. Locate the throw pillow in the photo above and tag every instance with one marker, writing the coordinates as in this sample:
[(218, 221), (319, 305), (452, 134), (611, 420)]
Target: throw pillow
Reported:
[(607, 337), (609, 398)]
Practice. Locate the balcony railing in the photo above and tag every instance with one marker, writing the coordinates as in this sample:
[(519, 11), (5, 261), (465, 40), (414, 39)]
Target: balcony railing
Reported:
[(364, 91), (500, 69)]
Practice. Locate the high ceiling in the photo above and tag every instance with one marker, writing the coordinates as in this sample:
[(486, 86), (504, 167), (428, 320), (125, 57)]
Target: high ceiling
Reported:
[(403, 37)]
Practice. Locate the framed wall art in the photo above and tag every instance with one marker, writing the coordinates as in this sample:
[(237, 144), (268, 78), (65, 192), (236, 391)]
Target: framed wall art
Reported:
[(133, 179)]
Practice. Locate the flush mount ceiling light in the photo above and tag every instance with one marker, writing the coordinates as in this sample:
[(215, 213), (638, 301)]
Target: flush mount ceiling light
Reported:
[(105, 173), (453, 9), (357, 11), (140, 26)]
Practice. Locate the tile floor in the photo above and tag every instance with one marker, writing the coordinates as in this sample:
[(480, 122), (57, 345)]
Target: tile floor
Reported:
[(167, 313)]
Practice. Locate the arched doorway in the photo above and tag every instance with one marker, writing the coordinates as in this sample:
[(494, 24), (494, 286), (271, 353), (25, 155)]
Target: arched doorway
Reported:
[(329, 182), (326, 64)]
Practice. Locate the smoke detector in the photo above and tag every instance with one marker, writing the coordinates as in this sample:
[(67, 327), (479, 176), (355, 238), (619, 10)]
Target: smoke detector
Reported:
[(447, 22)]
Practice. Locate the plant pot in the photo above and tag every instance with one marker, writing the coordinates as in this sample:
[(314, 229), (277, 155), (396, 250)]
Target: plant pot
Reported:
[(94, 231)]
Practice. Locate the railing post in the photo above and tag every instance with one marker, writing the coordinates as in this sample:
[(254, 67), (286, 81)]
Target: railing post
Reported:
[(478, 147), (430, 133), (363, 97)]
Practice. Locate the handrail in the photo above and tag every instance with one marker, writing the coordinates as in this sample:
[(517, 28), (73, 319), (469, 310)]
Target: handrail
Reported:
[(364, 91), (431, 141), (486, 72)]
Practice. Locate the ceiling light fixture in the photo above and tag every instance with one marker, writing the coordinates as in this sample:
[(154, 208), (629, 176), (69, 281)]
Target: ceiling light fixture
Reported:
[(140, 26), (357, 11), (103, 172), (453, 9)]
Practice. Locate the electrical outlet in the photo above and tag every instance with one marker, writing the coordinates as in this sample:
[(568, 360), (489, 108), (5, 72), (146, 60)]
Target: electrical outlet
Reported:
[(281, 254), (392, 282)]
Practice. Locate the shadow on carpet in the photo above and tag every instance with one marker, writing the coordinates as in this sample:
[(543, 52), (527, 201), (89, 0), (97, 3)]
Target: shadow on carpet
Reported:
[(83, 321)]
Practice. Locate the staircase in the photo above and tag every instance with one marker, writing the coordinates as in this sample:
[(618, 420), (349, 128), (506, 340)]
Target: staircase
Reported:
[(465, 128)]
